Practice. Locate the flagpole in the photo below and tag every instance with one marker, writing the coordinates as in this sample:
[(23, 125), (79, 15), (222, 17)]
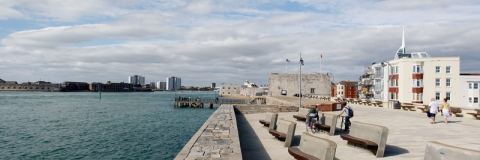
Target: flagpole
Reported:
[(300, 83), (320, 63)]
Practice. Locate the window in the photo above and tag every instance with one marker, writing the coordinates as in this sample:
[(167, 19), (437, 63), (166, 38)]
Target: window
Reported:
[(437, 82), (393, 95), (448, 96), (447, 70), (469, 99), (475, 99), (437, 96), (448, 82), (417, 96), (312, 90), (417, 69), (417, 83), (437, 69), (349, 93), (469, 85), (475, 85)]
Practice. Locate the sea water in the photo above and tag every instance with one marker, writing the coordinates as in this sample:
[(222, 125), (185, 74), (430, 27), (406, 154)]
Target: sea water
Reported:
[(78, 125)]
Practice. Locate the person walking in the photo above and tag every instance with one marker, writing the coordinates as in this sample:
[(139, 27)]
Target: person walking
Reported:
[(432, 110), (446, 111), (311, 115), (349, 111)]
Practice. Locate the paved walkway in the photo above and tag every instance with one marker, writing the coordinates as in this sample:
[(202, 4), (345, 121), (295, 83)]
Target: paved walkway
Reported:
[(408, 133)]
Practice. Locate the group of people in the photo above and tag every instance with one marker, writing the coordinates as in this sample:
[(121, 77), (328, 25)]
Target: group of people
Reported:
[(434, 108), (347, 110)]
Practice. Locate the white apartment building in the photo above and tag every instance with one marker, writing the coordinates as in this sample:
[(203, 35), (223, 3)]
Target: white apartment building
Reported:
[(469, 90), (136, 79), (173, 83), (417, 77)]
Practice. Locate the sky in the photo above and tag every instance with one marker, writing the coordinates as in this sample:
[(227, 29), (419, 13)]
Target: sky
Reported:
[(225, 41)]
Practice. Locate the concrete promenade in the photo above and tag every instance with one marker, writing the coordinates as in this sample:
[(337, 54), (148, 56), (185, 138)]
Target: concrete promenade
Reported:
[(409, 132)]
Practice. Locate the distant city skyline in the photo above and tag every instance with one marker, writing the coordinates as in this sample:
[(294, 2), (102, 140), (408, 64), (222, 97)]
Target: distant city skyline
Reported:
[(205, 41)]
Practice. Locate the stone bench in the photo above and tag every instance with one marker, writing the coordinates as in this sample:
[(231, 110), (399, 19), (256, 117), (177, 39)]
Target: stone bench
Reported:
[(471, 113), (456, 112), (301, 116), (408, 107), (436, 150), (284, 131), (327, 122), (270, 118), (422, 108), (372, 137), (312, 147)]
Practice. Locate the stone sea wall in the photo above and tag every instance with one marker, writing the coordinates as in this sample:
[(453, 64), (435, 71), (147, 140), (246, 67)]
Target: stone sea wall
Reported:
[(216, 139), (250, 109), (279, 102)]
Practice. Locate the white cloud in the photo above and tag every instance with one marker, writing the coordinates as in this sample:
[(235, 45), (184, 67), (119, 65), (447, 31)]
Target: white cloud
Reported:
[(227, 42), (198, 6)]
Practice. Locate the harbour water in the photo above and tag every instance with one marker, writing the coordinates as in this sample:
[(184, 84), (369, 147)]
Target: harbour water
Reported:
[(136, 125)]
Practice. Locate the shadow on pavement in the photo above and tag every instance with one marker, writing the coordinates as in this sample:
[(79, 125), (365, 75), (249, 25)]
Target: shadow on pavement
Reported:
[(394, 151), (250, 144), (296, 140)]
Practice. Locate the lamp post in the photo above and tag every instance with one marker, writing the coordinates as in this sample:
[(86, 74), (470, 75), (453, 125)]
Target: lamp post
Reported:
[(388, 81), (300, 82)]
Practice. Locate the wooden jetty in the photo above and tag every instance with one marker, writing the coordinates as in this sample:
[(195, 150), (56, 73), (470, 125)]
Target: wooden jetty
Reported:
[(200, 102)]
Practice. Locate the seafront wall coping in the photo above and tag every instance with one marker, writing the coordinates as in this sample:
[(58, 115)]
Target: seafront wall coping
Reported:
[(251, 109), (216, 139), (275, 101)]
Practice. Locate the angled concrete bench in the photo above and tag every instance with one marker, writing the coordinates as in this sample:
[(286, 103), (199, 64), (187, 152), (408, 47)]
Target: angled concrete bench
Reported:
[(312, 147), (372, 137), (270, 120), (301, 116), (436, 150), (327, 122), (456, 112), (284, 131)]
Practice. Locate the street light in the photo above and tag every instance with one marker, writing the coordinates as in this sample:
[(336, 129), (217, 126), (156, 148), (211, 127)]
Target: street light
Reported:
[(388, 81), (300, 82)]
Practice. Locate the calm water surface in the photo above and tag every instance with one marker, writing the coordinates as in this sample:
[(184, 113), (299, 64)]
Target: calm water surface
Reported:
[(46, 125)]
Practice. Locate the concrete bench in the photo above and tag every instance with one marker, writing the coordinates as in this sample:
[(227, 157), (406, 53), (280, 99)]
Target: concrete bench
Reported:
[(327, 122), (456, 112), (312, 147), (301, 116), (470, 113), (372, 137), (436, 150), (422, 109), (408, 107), (284, 131), (270, 120)]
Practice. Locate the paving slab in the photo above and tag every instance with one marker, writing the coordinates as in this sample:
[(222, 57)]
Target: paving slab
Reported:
[(408, 134)]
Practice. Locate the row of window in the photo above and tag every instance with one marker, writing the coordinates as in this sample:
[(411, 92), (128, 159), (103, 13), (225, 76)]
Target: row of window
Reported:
[(418, 69), (447, 69), (438, 82), (349, 93), (419, 96), (475, 99), (473, 85), (351, 87), (437, 96)]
